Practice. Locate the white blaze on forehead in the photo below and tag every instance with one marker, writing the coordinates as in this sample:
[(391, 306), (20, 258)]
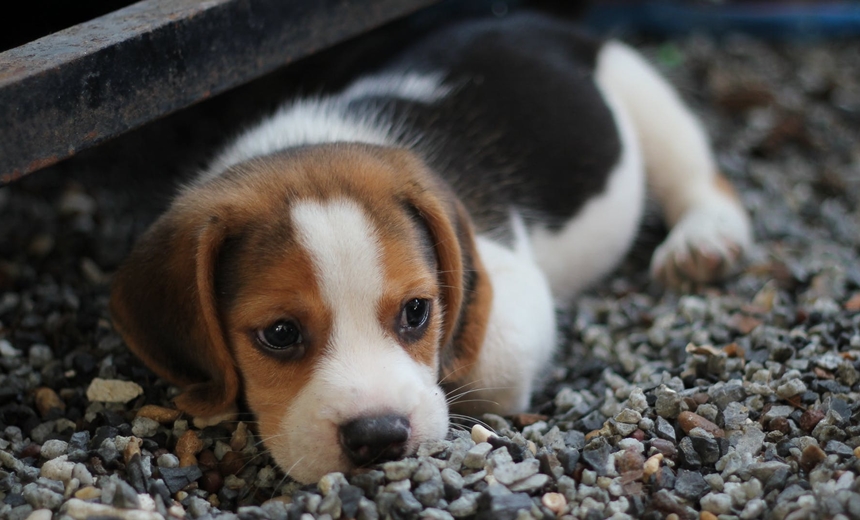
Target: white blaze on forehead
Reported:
[(346, 255), (364, 371)]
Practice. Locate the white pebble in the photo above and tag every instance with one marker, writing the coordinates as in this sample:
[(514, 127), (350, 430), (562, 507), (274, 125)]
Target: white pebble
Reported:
[(40, 514), (717, 503), (481, 434), (588, 477), (628, 443), (113, 390), (144, 427), (221, 449), (753, 509), (58, 469), (168, 460), (53, 448), (555, 502)]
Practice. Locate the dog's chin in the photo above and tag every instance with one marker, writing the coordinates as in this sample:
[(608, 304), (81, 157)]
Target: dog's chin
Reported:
[(310, 464)]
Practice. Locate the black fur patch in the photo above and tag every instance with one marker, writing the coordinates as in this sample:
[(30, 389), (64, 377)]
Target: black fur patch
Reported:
[(525, 125)]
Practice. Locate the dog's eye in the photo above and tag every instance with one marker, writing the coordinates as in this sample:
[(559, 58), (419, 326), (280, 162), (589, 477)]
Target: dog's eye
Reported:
[(414, 314), (280, 335)]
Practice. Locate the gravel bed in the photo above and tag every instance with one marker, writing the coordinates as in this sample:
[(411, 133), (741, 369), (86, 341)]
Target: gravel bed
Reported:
[(735, 401)]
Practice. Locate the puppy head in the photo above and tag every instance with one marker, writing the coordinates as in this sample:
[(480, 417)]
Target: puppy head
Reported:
[(330, 288)]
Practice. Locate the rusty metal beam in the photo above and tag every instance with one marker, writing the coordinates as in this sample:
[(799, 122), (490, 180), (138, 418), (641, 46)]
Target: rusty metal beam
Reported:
[(75, 88)]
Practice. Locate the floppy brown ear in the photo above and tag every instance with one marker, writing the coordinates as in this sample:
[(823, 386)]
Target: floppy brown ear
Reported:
[(467, 293), (163, 304)]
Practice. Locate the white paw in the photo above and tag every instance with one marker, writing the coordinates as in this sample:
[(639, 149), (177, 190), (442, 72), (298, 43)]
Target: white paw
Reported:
[(706, 245)]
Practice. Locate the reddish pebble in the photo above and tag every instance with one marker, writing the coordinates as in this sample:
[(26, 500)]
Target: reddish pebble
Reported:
[(701, 397), (231, 463), (810, 418), (812, 455), (211, 481), (690, 420), (207, 460), (853, 304), (667, 448), (47, 400), (638, 434), (630, 460), (779, 424), (527, 419), (30, 450)]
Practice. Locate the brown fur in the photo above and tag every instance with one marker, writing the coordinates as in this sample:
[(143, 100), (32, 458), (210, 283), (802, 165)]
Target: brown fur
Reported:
[(222, 263)]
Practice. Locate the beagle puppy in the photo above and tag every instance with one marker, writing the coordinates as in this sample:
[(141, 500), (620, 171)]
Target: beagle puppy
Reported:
[(356, 264)]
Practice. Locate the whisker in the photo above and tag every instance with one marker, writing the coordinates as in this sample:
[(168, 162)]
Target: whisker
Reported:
[(462, 386), (453, 399)]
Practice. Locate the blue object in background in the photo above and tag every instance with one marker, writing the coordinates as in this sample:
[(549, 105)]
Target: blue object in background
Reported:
[(781, 20)]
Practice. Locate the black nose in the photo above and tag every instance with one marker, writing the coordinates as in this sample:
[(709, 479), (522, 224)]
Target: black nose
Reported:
[(369, 440)]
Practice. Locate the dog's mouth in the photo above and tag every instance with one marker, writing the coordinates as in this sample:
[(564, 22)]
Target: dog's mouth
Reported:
[(373, 439)]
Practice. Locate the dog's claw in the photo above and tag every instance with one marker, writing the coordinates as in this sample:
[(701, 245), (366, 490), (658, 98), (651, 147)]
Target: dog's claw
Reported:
[(706, 245)]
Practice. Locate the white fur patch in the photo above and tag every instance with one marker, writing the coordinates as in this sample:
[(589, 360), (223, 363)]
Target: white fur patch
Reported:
[(710, 231), (591, 245), (521, 331), (328, 119), (423, 88), (364, 371)]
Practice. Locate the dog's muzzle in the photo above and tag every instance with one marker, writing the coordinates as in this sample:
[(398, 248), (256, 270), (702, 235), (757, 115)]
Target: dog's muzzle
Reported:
[(369, 440)]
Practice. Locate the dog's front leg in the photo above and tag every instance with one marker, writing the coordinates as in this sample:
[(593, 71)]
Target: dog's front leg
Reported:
[(520, 337)]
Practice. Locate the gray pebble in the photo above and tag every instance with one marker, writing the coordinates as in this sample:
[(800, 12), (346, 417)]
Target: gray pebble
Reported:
[(431, 448), (40, 356), (197, 507), (464, 506), (435, 514), (747, 440), (20, 513), (509, 473), (764, 470), (367, 510), (452, 479), (398, 485), (778, 411), (668, 403), (40, 433), (426, 471), (144, 427), (723, 395), (83, 475), (791, 388), (690, 484), (40, 497), (665, 430), (530, 484), (406, 504), (430, 492), (330, 505), (629, 416), (473, 478), (477, 456), (735, 415)]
